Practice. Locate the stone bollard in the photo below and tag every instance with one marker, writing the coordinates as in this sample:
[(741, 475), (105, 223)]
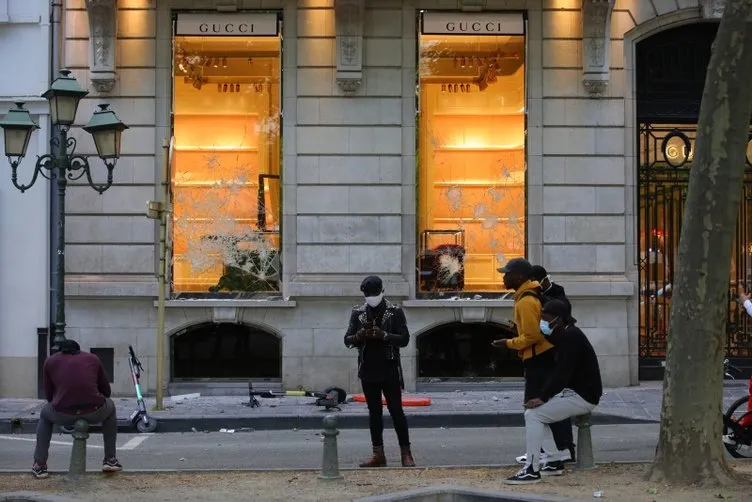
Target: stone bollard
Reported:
[(584, 443), (330, 460), (78, 452)]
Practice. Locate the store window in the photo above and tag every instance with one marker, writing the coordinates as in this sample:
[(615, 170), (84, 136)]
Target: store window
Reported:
[(471, 141), (225, 171)]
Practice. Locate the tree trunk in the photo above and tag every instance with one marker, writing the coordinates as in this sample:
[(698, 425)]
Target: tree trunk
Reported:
[(690, 449)]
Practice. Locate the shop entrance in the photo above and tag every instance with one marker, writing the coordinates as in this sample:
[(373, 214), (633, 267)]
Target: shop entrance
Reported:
[(457, 353), (671, 69)]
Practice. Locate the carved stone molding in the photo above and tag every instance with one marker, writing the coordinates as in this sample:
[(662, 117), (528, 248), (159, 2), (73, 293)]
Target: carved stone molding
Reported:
[(472, 5), (102, 40), (596, 52), (712, 9), (349, 16)]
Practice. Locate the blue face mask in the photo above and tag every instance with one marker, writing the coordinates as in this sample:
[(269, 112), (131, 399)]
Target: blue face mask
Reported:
[(545, 328)]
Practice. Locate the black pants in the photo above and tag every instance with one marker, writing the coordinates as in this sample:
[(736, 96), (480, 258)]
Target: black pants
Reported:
[(537, 370), (393, 394)]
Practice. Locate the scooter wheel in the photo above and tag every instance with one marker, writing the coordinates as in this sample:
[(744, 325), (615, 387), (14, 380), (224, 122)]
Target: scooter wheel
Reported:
[(146, 427), (341, 394)]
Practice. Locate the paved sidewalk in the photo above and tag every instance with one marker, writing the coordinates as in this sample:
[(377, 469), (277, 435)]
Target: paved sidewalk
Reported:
[(624, 405)]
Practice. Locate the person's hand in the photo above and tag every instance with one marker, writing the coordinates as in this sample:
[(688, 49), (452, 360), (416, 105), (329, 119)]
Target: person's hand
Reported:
[(533, 403), (376, 334), (500, 343), (743, 297), (360, 336)]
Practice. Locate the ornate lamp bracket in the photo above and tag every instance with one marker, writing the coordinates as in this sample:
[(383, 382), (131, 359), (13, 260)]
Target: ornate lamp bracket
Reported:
[(596, 57), (349, 16), (712, 9), (102, 40)]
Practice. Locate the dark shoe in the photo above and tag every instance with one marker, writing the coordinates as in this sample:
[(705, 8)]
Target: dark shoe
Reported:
[(525, 476), (111, 465), (378, 459), (571, 455), (407, 457), (39, 471), (552, 469)]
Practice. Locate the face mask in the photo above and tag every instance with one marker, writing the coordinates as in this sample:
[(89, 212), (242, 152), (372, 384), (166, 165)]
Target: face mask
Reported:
[(545, 328), (373, 301)]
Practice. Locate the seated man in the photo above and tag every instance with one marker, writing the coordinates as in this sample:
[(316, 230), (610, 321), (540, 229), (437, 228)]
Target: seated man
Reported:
[(76, 386), (573, 388)]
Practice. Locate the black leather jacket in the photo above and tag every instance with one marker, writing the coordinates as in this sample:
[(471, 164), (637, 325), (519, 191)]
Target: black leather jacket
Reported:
[(378, 360)]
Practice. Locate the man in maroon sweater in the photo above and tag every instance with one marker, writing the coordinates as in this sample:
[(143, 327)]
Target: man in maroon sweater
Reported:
[(76, 386)]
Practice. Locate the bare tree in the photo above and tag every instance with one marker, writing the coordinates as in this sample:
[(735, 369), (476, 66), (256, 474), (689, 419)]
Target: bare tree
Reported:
[(690, 448)]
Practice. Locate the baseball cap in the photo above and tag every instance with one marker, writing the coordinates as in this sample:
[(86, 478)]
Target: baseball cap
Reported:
[(538, 273), (372, 286), (559, 308), (519, 265)]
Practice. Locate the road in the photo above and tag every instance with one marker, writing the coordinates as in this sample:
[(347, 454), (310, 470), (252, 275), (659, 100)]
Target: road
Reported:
[(303, 449)]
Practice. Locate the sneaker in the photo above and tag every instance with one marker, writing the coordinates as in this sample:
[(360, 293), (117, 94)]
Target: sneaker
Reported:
[(111, 465), (39, 471), (525, 476), (552, 468)]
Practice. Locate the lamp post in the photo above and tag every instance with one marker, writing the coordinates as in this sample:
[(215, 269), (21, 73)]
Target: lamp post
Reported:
[(63, 164)]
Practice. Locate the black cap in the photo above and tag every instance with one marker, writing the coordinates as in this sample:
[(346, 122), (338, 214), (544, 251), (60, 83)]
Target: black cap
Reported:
[(372, 286), (559, 308), (519, 265), (538, 273)]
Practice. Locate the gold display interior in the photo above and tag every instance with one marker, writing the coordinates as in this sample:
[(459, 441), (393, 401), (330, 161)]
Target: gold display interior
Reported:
[(472, 157), (226, 134)]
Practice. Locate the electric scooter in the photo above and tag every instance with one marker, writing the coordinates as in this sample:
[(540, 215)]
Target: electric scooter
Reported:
[(140, 418)]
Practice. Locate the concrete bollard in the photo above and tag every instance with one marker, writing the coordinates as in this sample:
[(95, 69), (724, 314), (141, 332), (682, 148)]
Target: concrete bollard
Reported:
[(330, 460), (78, 452), (584, 443)]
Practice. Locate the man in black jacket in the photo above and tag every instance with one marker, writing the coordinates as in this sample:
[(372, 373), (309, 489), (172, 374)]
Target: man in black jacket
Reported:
[(562, 431), (573, 388), (378, 329)]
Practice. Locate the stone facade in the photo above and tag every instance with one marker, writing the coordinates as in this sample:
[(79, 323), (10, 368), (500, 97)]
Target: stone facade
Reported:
[(349, 179), (24, 218)]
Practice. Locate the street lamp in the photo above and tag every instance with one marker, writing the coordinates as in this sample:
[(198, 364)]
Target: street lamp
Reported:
[(63, 164)]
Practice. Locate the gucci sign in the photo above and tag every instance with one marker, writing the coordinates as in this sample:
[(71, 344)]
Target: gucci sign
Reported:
[(261, 24), (472, 23)]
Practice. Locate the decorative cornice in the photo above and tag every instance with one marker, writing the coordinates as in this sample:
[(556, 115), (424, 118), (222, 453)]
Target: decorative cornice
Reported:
[(472, 5), (349, 15), (712, 9), (596, 35), (102, 43)]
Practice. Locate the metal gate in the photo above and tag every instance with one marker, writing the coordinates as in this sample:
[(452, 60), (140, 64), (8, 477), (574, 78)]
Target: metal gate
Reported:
[(665, 159)]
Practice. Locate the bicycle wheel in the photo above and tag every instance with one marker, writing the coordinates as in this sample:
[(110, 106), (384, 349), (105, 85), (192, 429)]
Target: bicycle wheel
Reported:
[(737, 438)]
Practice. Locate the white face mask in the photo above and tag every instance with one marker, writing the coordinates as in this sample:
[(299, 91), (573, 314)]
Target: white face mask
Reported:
[(373, 301)]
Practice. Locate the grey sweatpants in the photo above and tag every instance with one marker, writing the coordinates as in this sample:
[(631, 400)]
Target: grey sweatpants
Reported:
[(49, 417)]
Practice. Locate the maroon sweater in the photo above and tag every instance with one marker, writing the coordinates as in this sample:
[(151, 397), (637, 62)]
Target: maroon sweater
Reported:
[(75, 381)]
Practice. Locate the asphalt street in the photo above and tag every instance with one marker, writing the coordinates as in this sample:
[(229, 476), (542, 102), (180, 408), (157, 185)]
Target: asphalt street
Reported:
[(302, 449)]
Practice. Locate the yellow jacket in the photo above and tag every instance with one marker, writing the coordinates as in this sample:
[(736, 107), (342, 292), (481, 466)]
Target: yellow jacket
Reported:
[(529, 341)]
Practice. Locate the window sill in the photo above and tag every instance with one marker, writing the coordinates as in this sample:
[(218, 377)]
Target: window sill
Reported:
[(231, 303)]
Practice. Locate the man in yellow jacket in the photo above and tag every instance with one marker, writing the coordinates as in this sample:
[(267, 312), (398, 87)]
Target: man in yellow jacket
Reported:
[(536, 352)]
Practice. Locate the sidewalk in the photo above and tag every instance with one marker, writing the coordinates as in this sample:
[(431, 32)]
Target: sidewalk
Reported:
[(624, 405)]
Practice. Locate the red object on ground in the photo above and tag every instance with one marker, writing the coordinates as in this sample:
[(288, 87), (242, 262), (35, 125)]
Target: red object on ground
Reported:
[(406, 400), (746, 420)]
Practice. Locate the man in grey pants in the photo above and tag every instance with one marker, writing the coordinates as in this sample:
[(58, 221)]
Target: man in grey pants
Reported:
[(76, 386)]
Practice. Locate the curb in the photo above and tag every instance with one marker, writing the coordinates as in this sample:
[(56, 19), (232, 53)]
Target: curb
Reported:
[(135, 472), (307, 422)]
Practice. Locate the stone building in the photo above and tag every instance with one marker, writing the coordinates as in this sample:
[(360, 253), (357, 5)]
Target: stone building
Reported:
[(312, 143), (24, 218)]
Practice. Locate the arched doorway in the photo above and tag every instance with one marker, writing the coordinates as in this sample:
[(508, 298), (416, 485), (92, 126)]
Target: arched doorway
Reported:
[(461, 352), (670, 76), (225, 351)]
